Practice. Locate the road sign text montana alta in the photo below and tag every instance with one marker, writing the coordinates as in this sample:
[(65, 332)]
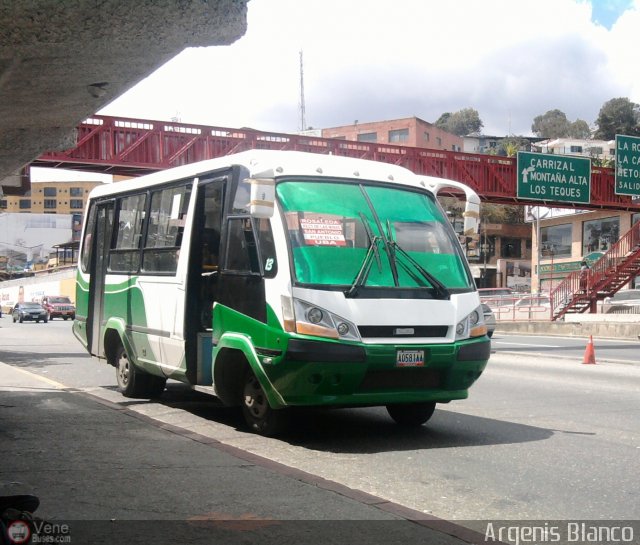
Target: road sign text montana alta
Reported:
[(562, 172)]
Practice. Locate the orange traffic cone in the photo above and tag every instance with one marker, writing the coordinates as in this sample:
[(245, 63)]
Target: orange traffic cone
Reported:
[(589, 353)]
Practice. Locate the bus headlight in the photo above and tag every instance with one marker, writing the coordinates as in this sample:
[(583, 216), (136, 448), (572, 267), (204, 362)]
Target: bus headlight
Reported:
[(475, 317), (472, 325), (307, 319), (343, 329), (314, 315)]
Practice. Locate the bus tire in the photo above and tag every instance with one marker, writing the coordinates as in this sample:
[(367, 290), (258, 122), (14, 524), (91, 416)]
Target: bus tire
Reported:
[(257, 412), (132, 382), (411, 414)]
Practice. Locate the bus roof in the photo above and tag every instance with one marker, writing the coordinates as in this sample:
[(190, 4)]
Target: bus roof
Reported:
[(282, 163)]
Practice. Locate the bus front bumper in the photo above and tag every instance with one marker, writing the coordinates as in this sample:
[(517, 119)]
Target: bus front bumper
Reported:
[(316, 373)]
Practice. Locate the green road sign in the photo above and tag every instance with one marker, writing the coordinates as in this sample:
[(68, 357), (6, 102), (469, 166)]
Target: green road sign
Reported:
[(627, 165), (545, 177)]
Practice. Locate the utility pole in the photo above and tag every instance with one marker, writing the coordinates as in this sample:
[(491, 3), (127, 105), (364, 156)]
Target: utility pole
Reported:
[(303, 123)]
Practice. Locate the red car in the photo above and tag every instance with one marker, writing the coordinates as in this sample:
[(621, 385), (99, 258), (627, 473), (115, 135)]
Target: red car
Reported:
[(59, 306)]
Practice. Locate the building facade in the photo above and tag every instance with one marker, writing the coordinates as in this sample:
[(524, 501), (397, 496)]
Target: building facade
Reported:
[(409, 131), (50, 198), (42, 228), (568, 238), (600, 149)]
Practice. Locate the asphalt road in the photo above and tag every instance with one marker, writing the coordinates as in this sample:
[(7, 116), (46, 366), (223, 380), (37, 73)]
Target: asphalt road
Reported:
[(610, 350), (540, 437)]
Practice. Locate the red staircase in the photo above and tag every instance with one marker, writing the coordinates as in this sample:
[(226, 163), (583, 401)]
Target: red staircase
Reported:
[(578, 293)]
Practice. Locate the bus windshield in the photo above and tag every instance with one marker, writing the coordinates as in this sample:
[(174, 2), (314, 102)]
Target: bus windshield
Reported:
[(363, 235)]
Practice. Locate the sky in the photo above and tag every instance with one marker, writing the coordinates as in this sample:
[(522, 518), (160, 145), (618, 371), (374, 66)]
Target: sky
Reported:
[(373, 60)]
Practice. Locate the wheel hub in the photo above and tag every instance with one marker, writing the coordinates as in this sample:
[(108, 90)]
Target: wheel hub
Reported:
[(254, 398), (123, 370)]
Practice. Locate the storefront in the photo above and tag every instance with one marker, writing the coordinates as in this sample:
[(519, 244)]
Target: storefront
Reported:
[(567, 238)]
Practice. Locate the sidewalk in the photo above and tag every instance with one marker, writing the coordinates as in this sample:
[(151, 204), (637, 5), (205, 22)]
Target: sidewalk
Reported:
[(114, 475)]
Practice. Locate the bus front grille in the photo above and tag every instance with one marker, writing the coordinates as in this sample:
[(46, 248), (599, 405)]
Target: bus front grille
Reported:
[(376, 331)]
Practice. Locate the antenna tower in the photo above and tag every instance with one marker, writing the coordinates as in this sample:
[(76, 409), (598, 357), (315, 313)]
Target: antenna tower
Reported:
[(303, 124)]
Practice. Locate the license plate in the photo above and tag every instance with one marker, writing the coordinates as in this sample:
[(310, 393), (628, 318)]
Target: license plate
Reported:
[(410, 358)]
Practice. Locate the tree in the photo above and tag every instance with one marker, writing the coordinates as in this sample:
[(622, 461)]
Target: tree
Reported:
[(461, 123), (490, 212), (618, 116), (553, 124), (443, 120), (579, 129), (502, 213), (510, 146)]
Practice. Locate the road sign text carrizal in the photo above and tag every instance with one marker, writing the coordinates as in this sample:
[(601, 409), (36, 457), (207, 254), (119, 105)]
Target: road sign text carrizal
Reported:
[(552, 178)]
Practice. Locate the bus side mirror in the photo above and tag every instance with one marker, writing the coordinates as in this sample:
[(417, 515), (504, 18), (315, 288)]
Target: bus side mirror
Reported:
[(263, 195), (471, 213), (471, 217)]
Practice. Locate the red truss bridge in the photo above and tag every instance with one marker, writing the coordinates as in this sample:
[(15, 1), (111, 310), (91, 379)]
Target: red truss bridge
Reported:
[(132, 147)]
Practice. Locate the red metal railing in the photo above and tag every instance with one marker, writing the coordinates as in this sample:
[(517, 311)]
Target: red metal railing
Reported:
[(133, 147)]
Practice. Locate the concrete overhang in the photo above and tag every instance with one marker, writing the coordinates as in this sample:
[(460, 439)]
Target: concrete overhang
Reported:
[(63, 60)]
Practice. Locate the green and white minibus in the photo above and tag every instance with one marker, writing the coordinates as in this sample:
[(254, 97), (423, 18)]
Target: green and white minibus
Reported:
[(276, 279)]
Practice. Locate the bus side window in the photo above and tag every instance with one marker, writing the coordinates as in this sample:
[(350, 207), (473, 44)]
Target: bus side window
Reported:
[(242, 254), (244, 251), (166, 225), (267, 248)]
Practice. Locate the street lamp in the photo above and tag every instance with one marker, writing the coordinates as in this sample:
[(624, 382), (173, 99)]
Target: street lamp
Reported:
[(548, 249), (485, 251)]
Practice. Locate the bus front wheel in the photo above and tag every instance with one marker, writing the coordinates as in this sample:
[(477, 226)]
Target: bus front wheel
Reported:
[(135, 383), (411, 414), (258, 414)]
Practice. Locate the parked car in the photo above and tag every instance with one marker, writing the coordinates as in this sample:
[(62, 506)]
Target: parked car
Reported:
[(29, 312), (489, 319), (59, 306)]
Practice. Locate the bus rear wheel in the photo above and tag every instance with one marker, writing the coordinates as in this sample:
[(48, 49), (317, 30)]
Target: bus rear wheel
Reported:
[(257, 412), (135, 383), (411, 414)]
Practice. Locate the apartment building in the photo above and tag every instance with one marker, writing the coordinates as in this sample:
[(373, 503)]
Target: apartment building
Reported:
[(50, 198), (46, 221), (409, 131), (601, 149)]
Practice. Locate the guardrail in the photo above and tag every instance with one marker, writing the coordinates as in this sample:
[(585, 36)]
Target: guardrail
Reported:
[(519, 309), (537, 308)]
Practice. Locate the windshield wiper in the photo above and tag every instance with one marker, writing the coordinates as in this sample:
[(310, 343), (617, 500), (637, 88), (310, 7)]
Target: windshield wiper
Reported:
[(365, 268), (441, 290), (387, 246), (363, 273), (372, 239)]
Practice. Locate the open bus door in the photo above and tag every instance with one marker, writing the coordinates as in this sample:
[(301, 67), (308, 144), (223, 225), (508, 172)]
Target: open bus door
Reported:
[(101, 240)]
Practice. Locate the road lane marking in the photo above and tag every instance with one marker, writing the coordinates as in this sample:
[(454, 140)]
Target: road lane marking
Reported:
[(30, 374), (529, 344)]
